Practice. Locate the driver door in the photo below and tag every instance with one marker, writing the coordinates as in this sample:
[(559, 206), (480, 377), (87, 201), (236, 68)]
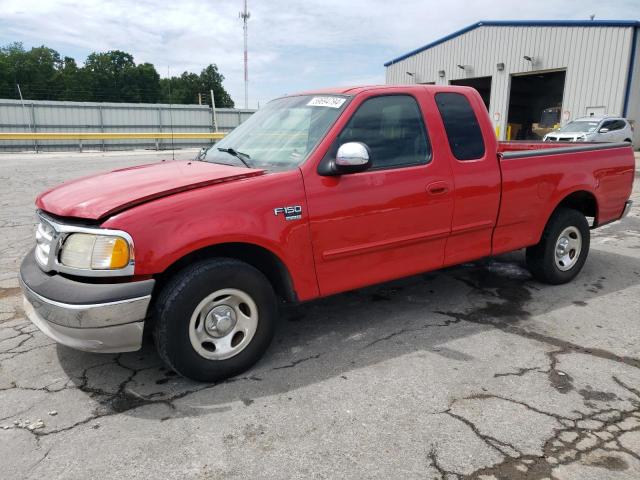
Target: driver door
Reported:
[(391, 220)]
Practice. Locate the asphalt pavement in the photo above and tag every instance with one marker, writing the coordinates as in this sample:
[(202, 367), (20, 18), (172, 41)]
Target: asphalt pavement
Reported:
[(472, 372)]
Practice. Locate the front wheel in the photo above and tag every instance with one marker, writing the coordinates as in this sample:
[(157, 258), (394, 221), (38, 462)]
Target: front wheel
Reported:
[(563, 248), (214, 319)]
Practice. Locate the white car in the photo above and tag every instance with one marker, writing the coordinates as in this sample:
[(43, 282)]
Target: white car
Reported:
[(593, 129)]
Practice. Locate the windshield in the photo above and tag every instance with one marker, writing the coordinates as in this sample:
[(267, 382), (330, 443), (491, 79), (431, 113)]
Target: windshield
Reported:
[(280, 135), (580, 126)]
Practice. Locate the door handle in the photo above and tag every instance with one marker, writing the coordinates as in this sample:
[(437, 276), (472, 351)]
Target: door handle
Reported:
[(437, 188)]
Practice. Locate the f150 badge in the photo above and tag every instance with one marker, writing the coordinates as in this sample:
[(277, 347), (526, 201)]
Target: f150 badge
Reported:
[(290, 213)]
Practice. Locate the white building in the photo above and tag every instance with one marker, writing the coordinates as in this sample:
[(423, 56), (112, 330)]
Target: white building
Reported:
[(528, 71)]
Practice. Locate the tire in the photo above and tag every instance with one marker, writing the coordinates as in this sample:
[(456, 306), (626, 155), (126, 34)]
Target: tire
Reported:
[(214, 293), (551, 260)]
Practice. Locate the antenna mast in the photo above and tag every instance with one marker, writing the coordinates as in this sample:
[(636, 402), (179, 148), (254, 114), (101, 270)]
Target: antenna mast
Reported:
[(244, 15)]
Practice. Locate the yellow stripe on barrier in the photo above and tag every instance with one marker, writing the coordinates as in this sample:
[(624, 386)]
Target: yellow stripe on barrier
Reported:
[(109, 136)]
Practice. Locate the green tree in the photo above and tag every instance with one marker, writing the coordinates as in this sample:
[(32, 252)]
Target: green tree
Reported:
[(111, 76), (106, 78), (211, 77), (37, 72), (10, 57), (186, 87), (34, 70), (148, 82), (70, 82)]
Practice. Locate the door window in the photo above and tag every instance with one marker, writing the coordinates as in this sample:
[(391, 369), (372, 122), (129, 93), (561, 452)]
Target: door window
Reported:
[(393, 130)]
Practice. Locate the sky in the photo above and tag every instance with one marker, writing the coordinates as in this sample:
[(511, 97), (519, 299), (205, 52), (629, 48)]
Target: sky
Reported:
[(293, 45)]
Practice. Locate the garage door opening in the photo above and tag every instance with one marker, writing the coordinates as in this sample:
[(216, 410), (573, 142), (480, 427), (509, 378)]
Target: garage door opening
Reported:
[(535, 105), (481, 84)]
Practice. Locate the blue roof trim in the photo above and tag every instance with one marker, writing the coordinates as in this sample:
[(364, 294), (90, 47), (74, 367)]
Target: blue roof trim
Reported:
[(627, 93), (520, 23)]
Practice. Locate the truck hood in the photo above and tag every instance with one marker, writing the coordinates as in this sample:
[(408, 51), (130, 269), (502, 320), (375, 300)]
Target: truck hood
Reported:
[(99, 196)]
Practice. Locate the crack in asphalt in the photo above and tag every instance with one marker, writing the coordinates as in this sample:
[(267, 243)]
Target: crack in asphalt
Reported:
[(518, 373), (506, 315), (597, 430), (46, 454), (446, 323), (435, 463), (297, 362), (14, 316), (109, 403), (570, 442), (123, 398), (490, 441)]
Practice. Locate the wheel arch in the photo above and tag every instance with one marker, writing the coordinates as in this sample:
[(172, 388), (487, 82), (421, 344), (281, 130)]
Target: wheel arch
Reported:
[(257, 256), (583, 201)]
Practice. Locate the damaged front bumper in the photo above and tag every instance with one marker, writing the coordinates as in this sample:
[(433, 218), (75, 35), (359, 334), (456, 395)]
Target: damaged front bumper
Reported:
[(94, 317)]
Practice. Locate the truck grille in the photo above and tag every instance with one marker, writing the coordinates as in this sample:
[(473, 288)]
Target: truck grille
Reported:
[(552, 139)]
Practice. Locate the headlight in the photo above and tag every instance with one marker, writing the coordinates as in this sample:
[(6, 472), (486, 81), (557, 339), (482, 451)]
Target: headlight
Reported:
[(95, 252)]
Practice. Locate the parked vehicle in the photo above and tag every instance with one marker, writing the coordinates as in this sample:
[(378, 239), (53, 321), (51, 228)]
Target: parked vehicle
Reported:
[(593, 129), (315, 194)]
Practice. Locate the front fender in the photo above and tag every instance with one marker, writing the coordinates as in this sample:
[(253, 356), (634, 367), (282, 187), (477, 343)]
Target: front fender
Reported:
[(168, 229)]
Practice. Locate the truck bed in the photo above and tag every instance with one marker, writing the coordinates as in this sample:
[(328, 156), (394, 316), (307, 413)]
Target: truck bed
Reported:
[(537, 176)]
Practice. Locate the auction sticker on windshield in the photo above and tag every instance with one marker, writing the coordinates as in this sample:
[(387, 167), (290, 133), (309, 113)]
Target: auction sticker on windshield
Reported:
[(331, 102)]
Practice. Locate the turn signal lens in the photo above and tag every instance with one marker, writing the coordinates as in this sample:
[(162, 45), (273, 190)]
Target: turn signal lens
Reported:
[(120, 253), (109, 253), (95, 252)]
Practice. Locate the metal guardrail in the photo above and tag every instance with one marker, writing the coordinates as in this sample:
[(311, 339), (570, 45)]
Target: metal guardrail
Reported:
[(109, 135), (82, 136)]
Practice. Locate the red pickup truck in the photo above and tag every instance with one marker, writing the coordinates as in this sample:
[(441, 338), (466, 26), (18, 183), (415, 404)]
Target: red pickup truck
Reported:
[(315, 194)]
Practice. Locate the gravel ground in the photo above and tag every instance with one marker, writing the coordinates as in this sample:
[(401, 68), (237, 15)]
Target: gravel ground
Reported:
[(472, 372)]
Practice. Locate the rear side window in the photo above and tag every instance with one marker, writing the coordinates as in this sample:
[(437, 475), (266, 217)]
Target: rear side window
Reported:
[(461, 125), (618, 125), (614, 125)]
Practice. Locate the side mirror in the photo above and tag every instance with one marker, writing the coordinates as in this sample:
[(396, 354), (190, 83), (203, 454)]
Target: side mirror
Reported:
[(352, 157), (603, 130)]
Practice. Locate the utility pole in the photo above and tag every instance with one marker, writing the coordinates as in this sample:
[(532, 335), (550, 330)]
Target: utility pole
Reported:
[(213, 111), (24, 110), (244, 15)]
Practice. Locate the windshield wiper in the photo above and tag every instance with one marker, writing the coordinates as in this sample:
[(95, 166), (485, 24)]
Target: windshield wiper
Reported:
[(243, 157)]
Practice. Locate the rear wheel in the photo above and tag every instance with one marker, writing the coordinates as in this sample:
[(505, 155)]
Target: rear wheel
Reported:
[(627, 140), (563, 248), (214, 319)]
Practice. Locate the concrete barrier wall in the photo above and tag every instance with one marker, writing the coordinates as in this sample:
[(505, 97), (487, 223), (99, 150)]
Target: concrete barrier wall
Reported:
[(37, 116)]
